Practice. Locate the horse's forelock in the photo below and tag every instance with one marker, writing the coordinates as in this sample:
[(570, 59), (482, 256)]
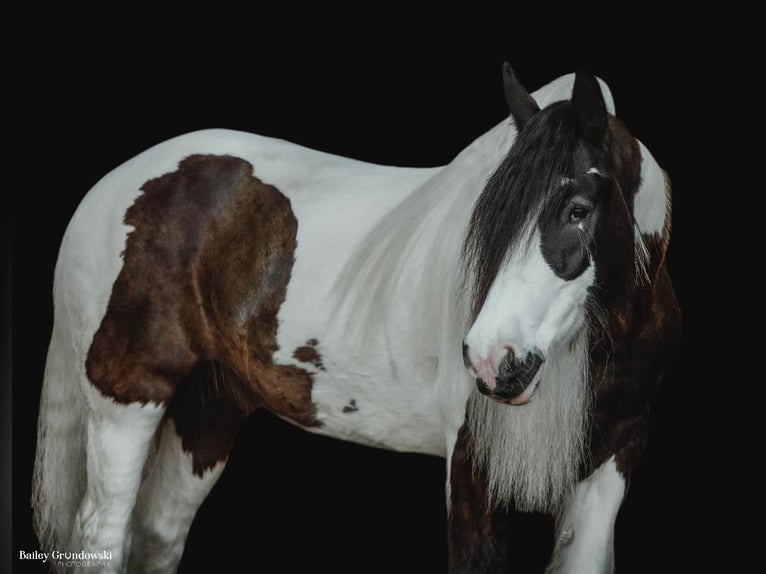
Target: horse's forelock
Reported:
[(514, 195)]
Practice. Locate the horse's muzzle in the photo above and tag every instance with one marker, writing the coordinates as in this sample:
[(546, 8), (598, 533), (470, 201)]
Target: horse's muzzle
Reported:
[(516, 379)]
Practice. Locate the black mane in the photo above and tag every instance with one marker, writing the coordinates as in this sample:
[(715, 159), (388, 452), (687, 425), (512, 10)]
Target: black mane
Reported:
[(541, 156)]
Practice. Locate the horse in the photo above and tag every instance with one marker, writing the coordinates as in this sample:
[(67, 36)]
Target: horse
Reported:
[(510, 312)]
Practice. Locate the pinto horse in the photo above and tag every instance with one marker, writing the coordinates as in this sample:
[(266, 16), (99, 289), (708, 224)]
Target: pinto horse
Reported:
[(510, 311)]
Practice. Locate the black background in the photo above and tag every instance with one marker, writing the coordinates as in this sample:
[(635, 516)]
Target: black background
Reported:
[(290, 501)]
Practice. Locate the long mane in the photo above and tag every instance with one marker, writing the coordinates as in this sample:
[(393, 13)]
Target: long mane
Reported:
[(414, 253)]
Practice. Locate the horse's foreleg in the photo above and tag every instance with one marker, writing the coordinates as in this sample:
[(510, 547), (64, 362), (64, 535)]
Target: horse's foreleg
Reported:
[(477, 533), (118, 439), (194, 444), (585, 528)]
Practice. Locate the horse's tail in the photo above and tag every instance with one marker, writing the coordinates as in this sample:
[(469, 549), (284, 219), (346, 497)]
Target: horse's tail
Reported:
[(60, 462)]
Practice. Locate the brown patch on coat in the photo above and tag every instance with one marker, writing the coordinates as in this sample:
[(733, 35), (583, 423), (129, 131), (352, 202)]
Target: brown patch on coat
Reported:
[(644, 331), (626, 369), (309, 354), (205, 272)]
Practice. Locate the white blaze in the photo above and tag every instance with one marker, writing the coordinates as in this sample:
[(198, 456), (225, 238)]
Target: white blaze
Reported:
[(528, 306)]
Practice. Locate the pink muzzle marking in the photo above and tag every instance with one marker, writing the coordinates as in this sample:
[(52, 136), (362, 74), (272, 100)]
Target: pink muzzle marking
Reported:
[(487, 369)]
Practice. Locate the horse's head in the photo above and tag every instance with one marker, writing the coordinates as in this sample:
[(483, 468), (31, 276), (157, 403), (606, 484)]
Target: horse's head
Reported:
[(551, 233)]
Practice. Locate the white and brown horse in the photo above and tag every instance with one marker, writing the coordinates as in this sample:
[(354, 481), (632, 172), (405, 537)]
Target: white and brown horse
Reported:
[(221, 272)]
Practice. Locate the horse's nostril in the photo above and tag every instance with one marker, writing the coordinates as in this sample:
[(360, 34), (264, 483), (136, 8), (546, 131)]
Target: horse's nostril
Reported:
[(531, 364), (507, 366), (513, 367)]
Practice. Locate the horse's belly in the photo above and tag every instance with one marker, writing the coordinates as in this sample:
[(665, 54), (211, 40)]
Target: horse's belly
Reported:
[(378, 411), (362, 388), (365, 388)]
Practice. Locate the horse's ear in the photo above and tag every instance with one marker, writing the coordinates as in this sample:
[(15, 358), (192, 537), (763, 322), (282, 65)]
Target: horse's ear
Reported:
[(520, 103), (589, 107)]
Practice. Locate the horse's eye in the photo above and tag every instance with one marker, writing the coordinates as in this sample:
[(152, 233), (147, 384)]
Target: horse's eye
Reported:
[(578, 213)]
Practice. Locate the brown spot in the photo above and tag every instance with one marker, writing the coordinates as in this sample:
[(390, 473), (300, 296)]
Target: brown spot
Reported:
[(309, 354), (350, 407), (205, 271)]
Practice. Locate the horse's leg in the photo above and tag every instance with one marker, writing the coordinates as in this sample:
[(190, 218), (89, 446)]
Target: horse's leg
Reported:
[(585, 525), (477, 533), (193, 446), (202, 420), (585, 529), (118, 440)]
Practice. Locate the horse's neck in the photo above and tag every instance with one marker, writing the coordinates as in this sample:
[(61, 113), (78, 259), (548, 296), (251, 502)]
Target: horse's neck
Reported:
[(402, 285), (411, 258)]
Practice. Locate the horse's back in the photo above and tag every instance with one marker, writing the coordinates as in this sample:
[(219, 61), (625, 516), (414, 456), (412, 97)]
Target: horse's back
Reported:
[(91, 254), (336, 200)]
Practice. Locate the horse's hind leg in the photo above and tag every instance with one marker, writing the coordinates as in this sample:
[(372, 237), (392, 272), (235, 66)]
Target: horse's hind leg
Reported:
[(168, 500), (201, 424), (118, 439)]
